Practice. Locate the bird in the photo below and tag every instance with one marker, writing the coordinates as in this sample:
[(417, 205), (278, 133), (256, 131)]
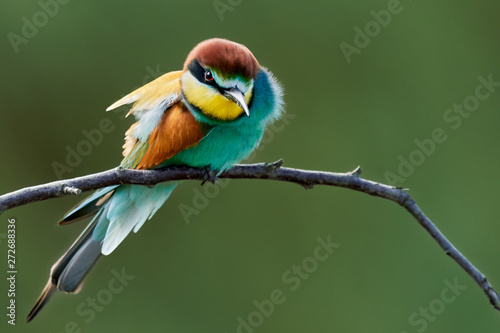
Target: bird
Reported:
[(211, 114)]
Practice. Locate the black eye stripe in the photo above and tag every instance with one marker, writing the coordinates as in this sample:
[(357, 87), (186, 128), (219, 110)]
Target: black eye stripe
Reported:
[(199, 73)]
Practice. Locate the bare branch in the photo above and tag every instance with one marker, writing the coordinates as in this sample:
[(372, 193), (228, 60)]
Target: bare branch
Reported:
[(272, 171)]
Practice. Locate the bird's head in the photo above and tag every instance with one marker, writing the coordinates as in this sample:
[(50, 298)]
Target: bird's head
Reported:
[(218, 79)]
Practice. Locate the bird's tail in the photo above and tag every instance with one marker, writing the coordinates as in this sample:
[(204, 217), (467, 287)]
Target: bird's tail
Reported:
[(69, 271), (117, 210)]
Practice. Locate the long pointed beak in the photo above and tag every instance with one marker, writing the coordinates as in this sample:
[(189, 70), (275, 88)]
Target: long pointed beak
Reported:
[(236, 96)]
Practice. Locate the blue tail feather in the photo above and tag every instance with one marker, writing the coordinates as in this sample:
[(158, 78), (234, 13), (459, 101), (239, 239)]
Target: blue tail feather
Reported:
[(115, 215)]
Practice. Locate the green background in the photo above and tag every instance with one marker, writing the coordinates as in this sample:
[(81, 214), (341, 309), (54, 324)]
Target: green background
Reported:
[(201, 276)]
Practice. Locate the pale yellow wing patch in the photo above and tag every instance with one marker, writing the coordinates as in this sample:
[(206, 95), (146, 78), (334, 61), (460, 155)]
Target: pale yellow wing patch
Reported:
[(149, 95), (135, 154), (151, 101)]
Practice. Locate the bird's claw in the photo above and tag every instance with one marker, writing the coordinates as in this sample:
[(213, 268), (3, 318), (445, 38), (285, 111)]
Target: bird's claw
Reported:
[(209, 176)]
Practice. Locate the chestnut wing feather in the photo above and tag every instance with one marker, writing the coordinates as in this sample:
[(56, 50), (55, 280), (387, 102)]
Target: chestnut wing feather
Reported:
[(177, 130)]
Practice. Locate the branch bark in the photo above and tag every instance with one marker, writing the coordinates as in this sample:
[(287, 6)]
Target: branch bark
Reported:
[(273, 171)]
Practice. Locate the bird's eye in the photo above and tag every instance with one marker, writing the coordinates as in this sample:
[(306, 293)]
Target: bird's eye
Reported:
[(208, 76)]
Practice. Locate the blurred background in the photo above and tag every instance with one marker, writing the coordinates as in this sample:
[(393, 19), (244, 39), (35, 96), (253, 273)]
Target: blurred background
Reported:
[(367, 83)]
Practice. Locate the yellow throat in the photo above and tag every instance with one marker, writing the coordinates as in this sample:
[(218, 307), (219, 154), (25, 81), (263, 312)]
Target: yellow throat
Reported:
[(209, 100)]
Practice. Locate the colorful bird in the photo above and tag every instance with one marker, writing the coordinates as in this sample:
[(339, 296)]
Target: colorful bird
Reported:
[(210, 114)]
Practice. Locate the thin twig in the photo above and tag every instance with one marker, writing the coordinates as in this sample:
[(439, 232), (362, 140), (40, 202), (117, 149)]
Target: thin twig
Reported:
[(272, 171)]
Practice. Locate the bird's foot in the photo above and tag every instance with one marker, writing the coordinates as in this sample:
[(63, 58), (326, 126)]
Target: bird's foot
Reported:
[(210, 176)]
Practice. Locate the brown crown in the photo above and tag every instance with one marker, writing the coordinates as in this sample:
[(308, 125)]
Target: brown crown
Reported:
[(225, 55)]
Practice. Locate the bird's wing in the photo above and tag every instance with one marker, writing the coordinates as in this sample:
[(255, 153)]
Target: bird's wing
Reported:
[(176, 131), (164, 127), (165, 88)]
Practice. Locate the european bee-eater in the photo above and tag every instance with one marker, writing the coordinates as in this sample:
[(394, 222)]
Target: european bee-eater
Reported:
[(210, 114)]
